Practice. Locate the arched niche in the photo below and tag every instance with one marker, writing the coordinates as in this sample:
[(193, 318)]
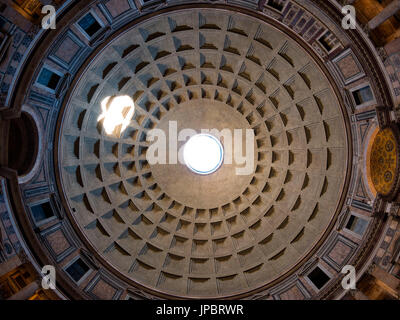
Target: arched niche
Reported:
[(25, 144), (383, 162)]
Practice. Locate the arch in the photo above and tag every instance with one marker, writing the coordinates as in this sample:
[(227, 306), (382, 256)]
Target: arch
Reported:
[(367, 150), (25, 143), (383, 162), (22, 144)]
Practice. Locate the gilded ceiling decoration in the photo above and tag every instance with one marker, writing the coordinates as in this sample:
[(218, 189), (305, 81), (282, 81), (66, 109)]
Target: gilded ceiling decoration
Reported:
[(383, 159)]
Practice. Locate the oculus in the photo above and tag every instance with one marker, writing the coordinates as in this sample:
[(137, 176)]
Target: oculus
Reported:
[(203, 154)]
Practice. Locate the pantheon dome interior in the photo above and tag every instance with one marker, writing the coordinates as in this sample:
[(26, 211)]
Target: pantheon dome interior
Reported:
[(109, 179)]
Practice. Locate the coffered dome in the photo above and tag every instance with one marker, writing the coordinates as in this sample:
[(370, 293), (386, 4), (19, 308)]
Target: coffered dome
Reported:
[(198, 149), (167, 228)]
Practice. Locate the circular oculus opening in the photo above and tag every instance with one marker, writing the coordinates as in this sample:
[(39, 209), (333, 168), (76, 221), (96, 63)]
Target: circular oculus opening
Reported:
[(203, 154)]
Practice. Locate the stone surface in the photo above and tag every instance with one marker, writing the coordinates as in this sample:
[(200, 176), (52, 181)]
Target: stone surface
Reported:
[(222, 234)]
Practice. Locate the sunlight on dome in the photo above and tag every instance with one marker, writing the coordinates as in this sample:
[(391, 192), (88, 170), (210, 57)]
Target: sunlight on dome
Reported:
[(117, 112), (203, 154)]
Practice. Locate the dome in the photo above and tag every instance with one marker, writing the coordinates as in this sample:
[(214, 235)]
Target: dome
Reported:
[(200, 150), (184, 234)]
